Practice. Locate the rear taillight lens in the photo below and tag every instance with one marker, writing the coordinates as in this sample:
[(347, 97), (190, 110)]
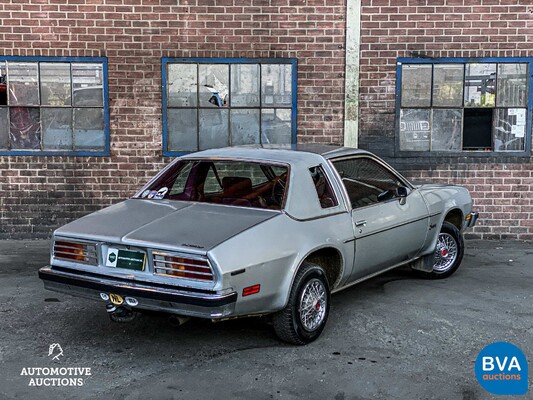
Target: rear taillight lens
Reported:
[(183, 267), (75, 251)]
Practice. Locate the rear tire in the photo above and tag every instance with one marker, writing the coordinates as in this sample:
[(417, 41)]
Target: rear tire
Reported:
[(304, 318), (448, 253)]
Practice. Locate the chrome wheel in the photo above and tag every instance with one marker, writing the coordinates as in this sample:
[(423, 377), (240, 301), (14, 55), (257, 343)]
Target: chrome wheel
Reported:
[(445, 253), (313, 304)]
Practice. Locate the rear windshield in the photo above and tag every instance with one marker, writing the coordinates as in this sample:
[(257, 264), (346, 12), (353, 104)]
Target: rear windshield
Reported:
[(233, 183)]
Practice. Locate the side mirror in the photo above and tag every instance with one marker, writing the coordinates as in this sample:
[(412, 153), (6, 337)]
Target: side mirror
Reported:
[(402, 192)]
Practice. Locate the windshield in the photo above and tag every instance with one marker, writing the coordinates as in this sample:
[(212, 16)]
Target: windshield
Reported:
[(233, 182)]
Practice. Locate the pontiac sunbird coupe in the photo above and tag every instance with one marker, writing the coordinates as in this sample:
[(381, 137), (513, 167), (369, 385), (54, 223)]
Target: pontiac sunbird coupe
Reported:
[(242, 231)]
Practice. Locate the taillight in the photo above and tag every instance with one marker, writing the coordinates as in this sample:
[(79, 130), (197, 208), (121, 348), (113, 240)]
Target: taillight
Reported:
[(75, 251), (183, 267)]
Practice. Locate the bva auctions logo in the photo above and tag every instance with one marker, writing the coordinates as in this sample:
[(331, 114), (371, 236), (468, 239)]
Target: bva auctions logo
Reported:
[(501, 368), (55, 348)]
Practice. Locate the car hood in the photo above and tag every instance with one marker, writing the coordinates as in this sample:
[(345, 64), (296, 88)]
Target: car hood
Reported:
[(164, 224)]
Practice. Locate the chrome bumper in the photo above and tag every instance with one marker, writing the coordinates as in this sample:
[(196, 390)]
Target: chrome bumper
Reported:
[(150, 296), (470, 222)]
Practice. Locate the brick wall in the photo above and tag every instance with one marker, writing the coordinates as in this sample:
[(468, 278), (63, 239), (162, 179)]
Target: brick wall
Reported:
[(38, 194), (448, 28)]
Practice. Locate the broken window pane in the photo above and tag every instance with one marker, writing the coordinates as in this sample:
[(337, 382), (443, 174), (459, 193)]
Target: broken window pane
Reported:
[(89, 129), (416, 85), (276, 126), (245, 85), (510, 129), (414, 130), (87, 87), (477, 123), (3, 84), (182, 85), (214, 129), (448, 85), (480, 85), (55, 84), (181, 126), (276, 85), (57, 128), (24, 128), (446, 130), (23, 84), (244, 127), (4, 128), (512, 85), (214, 85)]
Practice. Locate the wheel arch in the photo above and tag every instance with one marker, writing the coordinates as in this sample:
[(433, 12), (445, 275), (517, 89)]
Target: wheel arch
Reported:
[(455, 217), (331, 261)]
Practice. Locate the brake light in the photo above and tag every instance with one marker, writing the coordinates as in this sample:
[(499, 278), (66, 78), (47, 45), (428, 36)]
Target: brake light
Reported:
[(183, 267), (75, 251)]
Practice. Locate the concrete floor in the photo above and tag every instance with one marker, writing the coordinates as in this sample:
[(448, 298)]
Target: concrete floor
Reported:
[(393, 337)]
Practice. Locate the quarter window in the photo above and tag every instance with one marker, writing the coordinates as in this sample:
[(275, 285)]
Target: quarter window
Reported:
[(209, 103), (454, 106), (325, 194), (53, 106)]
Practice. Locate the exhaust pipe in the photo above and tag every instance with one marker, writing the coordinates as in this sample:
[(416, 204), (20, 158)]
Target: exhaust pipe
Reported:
[(177, 320)]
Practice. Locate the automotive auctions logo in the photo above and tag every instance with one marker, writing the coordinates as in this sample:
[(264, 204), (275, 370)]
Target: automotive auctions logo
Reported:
[(56, 376), (502, 369)]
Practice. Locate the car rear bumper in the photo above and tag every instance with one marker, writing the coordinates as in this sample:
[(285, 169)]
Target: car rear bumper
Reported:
[(202, 304)]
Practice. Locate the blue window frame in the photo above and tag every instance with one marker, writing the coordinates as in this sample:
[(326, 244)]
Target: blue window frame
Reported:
[(209, 103), (54, 106), (446, 106)]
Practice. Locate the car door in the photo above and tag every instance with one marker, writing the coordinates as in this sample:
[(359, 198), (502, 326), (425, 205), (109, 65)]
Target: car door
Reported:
[(390, 217)]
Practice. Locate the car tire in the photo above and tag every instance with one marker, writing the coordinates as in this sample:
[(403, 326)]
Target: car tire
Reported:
[(448, 253), (303, 319)]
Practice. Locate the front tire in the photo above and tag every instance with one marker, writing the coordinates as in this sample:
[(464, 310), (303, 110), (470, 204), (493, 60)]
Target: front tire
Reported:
[(448, 253), (303, 319)]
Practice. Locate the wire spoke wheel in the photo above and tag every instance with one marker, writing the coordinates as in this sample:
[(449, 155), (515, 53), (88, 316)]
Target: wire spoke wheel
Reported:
[(313, 302), (445, 253)]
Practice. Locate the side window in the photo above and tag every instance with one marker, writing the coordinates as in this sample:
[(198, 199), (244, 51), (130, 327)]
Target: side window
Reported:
[(323, 188), (366, 181)]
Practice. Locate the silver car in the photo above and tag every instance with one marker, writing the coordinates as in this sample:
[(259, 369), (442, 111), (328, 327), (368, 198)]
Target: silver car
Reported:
[(241, 231)]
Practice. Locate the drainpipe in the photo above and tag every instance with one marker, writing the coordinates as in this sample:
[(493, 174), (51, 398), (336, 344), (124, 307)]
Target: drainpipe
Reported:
[(351, 79)]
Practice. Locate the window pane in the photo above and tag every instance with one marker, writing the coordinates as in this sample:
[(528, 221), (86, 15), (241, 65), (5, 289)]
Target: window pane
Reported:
[(480, 89), (276, 85), (510, 129), (214, 85), (414, 130), (245, 85), (89, 129), (182, 85), (181, 126), (55, 84), (446, 130), (326, 197), (213, 129), (23, 84), (24, 128), (512, 85), (3, 84), (57, 128), (87, 85), (244, 127), (477, 127), (276, 126), (448, 85), (4, 128), (416, 85)]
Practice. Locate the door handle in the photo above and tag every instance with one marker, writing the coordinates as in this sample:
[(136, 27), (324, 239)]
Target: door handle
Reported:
[(360, 223)]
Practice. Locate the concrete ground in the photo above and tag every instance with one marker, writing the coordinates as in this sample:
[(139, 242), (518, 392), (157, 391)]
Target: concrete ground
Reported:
[(393, 337)]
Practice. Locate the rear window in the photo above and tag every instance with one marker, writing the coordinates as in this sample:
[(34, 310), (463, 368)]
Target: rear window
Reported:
[(228, 182)]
